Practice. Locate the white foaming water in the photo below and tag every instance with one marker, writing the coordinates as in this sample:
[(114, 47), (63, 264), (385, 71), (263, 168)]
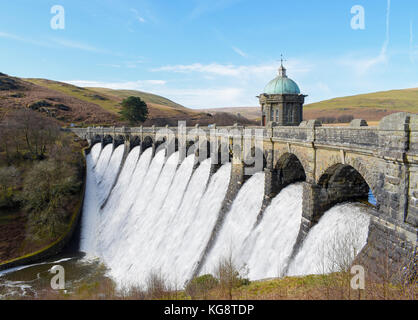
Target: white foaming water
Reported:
[(199, 230), (102, 162), (95, 152), (159, 217), (111, 173), (123, 182), (90, 218), (150, 253), (179, 224), (112, 235), (334, 242), (238, 224), (268, 248)]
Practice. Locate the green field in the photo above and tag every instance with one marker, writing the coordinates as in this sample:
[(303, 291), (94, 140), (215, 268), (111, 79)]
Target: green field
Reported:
[(84, 94), (393, 100), (109, 99), (147, 97)]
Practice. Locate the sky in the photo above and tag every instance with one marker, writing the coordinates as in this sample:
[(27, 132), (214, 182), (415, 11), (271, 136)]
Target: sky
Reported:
[(214, 53)]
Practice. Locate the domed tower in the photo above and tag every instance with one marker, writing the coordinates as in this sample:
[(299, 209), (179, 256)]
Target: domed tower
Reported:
[(281, 103)]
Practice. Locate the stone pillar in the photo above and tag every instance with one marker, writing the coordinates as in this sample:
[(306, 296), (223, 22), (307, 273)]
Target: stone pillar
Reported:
[(394, 136), (311, 207)]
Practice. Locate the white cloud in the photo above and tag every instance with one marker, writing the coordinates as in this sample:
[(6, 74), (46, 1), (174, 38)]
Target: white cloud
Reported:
[(54, 42), (127, 85), (205, 97), (191, 97), (137, 16), (11, 36), (77, 45), (230, 70), (240, 52)]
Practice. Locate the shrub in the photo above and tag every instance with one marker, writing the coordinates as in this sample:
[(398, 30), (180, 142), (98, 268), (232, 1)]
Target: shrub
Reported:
[(157, 287), (9, 177), (199, 287), (39, 104), (230, 276), (46, 193)]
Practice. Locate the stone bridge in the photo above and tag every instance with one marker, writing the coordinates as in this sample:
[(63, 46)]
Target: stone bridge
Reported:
[(335, 164)]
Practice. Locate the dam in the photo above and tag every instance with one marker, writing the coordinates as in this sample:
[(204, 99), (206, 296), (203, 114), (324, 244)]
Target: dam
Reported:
[(279, 201)]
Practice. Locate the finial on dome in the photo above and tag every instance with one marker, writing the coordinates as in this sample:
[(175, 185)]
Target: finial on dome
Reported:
[(282, 70)]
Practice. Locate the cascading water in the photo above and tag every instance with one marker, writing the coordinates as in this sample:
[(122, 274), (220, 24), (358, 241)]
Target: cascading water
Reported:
[(334, 242), (91, 206), (270, 244), (238, 224), (95, 153), (199, 231), (110, 173), (160, 214), (103, 162)]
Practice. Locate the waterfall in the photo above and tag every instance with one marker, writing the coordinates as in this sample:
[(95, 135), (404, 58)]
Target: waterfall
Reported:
[(268, 248), (102, 162), (95, 153), (334, 242), (154, 214), (110, 173), (91, 206), (238, 224)]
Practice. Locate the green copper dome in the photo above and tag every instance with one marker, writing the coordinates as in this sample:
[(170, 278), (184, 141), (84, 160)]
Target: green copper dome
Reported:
[(282, 84)]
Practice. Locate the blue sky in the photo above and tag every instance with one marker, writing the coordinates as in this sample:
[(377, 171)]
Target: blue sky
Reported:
[(214, 53)]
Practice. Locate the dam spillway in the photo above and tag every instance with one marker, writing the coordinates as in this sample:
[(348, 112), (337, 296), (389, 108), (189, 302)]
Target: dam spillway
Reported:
[(146, 213)]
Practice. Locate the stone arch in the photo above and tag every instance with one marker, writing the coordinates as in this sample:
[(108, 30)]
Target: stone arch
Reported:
[(118, 140), (107, 139), (96, 139), (134, 141), (340, 183), (301, 157), (368, 176), (146, 143), (160, 145), (289, 169)]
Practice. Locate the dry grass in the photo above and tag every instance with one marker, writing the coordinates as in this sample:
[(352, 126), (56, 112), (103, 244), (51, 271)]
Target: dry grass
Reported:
[(334, 286)]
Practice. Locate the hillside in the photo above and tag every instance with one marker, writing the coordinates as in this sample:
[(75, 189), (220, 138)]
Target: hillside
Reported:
[(370, 106), (147, 97), (96, 106)]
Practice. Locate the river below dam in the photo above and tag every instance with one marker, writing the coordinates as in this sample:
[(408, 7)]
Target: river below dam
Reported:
[(145, 214)]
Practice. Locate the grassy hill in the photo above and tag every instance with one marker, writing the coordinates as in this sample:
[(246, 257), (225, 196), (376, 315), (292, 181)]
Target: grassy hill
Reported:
[(370, 106), (147, 97), (97, 106), (396, 100)]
